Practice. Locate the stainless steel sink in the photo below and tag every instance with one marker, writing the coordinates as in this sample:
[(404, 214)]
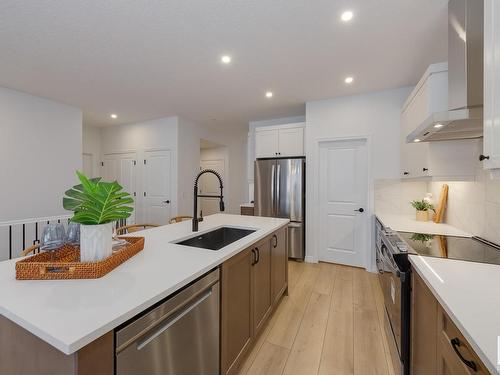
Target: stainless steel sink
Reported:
[(216, 239)]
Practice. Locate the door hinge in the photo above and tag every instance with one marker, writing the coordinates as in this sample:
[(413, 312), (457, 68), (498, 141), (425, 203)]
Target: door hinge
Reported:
[(135, 162), (144, 193), (144, 161), (102, 164), (135, 194)]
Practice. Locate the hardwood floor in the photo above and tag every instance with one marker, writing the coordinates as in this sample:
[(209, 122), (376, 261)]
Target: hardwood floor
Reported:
[(330, 323)]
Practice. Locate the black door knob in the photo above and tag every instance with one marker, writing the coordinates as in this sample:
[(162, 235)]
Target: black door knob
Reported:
[(167, 202), (406, 173), (360, 209), (482, 157), (425, 169)]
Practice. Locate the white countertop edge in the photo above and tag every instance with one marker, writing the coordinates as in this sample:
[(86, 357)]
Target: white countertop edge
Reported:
[(419, 261), (70, 348)]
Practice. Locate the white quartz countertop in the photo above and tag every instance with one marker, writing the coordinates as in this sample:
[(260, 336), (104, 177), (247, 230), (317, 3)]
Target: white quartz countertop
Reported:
[(469, 293), (69, 314), (408, 223)]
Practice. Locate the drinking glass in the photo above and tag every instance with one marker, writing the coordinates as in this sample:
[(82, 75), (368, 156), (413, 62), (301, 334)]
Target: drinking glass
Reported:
[(53, 237), (73, 233)]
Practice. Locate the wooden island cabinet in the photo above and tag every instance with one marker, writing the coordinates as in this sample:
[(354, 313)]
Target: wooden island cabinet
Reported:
[(438, 346), (252, 284)]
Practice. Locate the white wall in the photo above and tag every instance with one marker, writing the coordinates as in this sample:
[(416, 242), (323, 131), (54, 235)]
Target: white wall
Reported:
[(40, 149), (91, 144), (158, 134), (374, 115), (182, 137), (189, 156)]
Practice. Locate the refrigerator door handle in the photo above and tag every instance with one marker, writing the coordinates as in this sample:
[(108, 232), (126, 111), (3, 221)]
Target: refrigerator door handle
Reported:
[(278, 176), (273, 179)]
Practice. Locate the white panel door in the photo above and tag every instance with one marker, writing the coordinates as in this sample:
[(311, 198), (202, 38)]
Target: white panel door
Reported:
[(111, 167), (209, 184), (266, 143), (121, 167), (157, 189), (291, 142), (343, 192)]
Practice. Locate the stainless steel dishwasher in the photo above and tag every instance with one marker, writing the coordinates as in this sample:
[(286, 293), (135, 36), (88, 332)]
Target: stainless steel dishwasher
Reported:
[(179, 337)]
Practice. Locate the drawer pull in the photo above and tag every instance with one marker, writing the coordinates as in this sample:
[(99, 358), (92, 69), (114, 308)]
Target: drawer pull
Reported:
[(455, 343)]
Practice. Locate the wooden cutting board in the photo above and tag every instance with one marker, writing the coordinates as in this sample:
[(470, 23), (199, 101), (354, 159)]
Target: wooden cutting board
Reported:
[(443, 198)]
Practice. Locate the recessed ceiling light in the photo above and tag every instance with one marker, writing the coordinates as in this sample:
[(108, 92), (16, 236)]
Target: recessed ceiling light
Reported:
[(113, 116), (269, 94), (347, 16), (437, 126), (416, 140), (225, 59), (349, 80)]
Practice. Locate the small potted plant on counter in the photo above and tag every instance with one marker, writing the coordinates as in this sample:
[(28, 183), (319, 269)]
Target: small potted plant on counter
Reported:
[(423, 209), (96, 205)]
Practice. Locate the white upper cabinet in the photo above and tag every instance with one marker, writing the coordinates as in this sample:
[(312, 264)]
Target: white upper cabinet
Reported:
[(281, 141), (266, 143), (454, 159), (491, 143)]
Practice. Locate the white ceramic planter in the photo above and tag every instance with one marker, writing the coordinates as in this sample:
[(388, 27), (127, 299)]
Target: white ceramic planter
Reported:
[(95, 242)]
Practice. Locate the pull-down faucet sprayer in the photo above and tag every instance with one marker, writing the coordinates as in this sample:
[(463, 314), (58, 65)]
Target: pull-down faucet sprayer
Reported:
[(196, 220)]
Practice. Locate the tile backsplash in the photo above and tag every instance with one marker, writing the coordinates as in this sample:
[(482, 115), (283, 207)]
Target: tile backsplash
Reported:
[(394, 196), (473, 206)]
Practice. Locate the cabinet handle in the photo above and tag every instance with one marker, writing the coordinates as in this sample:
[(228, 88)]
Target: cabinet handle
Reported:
[(275, 241), (455, 343), (258, 254), (254, 257), (483, 157)]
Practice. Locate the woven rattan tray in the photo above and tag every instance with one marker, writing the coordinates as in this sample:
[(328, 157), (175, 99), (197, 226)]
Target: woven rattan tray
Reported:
[(65, 263)]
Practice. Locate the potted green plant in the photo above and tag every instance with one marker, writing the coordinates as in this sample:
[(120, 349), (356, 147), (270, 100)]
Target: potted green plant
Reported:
[(96, 205), (423, 209)]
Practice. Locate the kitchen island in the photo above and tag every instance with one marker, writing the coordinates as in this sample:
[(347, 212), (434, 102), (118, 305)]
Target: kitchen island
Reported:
[(70, 314)]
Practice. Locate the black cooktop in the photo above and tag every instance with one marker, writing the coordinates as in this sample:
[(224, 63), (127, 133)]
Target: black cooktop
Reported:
[(473, 249)]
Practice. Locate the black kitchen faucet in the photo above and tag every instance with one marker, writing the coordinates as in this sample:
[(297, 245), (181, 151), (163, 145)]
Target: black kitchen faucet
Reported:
[(196, 220)]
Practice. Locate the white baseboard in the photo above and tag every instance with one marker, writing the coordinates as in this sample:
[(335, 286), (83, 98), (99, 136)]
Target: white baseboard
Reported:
[(310, 259)]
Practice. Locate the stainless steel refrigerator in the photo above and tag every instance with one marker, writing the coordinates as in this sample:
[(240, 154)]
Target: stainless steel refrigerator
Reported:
[(279, 191)]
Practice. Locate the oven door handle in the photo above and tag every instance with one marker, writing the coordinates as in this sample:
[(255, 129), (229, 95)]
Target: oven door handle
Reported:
[(389, 262)]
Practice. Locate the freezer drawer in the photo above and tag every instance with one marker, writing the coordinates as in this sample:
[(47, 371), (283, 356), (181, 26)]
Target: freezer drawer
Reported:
[(296, 241), (179, 337)]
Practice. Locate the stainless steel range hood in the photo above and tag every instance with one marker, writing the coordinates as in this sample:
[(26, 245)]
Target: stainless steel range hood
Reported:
[(464, 118)]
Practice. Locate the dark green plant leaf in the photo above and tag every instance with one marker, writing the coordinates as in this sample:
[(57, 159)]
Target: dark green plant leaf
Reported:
[(97, 202)]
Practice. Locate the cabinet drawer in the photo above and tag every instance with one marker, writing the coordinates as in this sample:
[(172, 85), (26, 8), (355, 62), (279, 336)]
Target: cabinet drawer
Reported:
[(455, 355)]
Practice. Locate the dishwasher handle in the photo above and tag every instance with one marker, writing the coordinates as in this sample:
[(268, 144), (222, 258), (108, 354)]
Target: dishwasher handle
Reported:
[(173, 319)]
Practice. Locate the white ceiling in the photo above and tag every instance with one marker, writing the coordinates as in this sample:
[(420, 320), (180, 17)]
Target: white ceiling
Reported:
[(152, 58)]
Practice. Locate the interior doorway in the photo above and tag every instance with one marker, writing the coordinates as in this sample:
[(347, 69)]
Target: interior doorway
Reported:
[(212, 156)]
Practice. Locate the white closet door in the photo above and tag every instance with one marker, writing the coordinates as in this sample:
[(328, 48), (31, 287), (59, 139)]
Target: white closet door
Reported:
[(121, 167), (157, 189), (343, 193)]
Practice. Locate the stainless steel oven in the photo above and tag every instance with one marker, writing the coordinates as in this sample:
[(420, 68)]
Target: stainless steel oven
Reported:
[(178, 337), (394, 277)]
